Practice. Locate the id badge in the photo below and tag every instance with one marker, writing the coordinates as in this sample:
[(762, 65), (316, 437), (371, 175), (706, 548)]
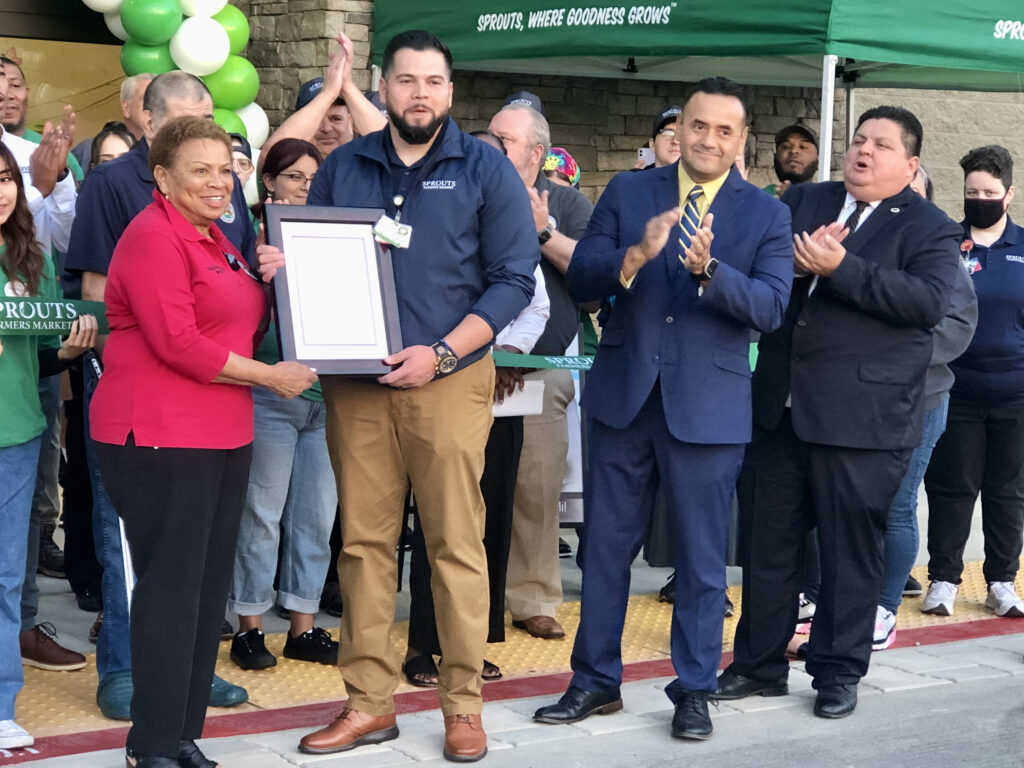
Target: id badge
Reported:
[(389, 231)]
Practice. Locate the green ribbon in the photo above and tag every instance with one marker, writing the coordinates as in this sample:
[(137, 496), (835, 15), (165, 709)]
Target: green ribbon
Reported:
[(504, 359), (46, 317)]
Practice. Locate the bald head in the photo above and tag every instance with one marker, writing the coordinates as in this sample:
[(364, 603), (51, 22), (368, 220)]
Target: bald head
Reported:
[(174, 94)]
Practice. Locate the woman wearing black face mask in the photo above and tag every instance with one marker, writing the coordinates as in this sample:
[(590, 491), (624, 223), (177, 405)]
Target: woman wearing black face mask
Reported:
[(982, 449)]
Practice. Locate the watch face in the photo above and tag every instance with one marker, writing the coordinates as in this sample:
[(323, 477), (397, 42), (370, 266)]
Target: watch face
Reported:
[(447, 364)]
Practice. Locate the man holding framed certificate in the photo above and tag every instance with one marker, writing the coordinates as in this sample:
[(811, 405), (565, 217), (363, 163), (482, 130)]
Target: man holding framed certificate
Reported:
[(463, 247)]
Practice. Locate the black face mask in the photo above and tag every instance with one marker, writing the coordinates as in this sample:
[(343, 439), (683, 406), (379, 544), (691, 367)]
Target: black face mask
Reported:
[(983, 213)]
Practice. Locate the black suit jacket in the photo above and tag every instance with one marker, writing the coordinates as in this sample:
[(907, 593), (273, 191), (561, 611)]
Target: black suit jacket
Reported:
[(854, 353)]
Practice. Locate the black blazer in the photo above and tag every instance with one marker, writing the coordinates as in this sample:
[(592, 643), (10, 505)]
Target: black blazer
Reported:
[(854, 353)]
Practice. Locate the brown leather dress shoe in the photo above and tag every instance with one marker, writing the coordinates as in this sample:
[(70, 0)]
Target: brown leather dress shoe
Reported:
[(545, 627), (464, 738), (39, 649), (351, 729)]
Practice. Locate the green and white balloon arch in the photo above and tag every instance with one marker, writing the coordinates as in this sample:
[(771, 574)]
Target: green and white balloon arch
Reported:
[(202, 37)]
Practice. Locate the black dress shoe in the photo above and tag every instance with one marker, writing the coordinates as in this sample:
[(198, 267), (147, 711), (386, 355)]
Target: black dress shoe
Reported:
[(89, 600), (692, 719), (732, 685), (137, 761), (189, 756), (835, 701), (577, 704)]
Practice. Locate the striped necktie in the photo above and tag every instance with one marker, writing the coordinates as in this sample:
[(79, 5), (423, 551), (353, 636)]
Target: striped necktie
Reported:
[(854, 218), (689, 222)]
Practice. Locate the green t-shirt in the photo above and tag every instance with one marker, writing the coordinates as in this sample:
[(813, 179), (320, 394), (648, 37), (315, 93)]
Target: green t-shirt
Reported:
[(267, 353), (73, 166), (21, 417)]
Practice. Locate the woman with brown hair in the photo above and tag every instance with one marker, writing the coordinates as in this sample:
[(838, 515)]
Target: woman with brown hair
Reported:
[(25, 271), (172, 421), (291, 500)]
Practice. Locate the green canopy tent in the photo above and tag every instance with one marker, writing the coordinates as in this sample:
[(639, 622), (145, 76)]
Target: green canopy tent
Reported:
[(948, 44)]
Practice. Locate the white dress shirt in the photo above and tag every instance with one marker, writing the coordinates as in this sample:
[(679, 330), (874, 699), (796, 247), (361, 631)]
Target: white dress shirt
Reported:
[(523, 332), (52, 214)]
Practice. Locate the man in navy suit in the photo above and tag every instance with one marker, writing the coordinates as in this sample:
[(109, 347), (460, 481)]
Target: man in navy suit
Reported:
[(695, 258), (838, 406)]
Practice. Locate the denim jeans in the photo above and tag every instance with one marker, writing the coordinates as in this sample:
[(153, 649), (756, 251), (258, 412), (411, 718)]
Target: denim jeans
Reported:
[(45, 499), (113, 647), (17, 482), (901, 537), (291, 499)]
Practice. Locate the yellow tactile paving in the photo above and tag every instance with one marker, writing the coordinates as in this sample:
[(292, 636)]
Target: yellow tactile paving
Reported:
[(64, 702)]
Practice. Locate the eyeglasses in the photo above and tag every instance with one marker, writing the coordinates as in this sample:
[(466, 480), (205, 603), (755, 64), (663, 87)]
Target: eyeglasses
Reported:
[(670, 132), (237, 265), (297, 178), (242, 165)]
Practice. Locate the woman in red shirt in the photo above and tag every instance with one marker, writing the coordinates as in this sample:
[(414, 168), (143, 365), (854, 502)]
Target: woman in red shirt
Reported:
[(172, 421)]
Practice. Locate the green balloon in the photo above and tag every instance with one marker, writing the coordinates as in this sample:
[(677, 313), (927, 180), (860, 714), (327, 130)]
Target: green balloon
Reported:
[(229, 121), (237, 26), (234, 85), (137, 58), (151, 22)]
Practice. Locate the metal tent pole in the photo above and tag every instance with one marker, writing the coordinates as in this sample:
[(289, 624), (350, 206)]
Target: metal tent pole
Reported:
[(828, 97)]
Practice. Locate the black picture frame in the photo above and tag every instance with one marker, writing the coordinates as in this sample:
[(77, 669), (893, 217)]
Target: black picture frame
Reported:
[(335, 299)]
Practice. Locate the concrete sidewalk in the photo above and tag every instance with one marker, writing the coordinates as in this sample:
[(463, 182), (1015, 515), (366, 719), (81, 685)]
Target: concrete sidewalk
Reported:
[(931, 706)]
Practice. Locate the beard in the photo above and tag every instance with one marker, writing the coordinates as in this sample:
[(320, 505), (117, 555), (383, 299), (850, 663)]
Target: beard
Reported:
[(415, 134), (793, 177)]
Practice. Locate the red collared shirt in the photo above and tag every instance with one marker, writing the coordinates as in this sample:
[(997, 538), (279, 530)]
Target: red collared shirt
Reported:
[(176, 309)]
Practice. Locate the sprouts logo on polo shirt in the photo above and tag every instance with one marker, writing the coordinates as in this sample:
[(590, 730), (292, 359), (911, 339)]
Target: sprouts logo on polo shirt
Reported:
[(1015, 257), (228, 217), (439, 184)]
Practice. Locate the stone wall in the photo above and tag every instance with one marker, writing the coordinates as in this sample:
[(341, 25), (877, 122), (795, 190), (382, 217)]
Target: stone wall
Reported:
[(291, 40), (602, 122)]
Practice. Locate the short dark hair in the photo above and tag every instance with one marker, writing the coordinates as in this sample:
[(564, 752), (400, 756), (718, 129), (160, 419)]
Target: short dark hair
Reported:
[(494, 139), (5, 60), (993, 159), (721, 86), (177, 132), (417, 40), (911, 132)]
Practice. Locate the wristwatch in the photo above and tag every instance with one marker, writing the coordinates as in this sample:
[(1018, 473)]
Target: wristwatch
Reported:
[(709, 271), (446, 359), (545, 234)]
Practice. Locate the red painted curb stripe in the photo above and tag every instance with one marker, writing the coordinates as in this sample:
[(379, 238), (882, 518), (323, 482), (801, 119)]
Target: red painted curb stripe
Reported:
[(314, 715)]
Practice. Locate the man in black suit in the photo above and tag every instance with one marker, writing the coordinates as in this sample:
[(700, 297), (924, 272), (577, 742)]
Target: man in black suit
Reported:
[(838, 407)]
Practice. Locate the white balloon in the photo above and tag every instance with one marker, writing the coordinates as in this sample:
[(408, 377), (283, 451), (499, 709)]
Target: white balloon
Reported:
[(113, 19), (200, 46), (104, 6), (257, 125), (202, 7)]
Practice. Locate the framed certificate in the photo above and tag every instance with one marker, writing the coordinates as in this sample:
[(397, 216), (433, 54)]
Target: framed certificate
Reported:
[(335, 298)]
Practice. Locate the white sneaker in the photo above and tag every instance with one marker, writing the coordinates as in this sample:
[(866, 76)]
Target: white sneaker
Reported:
[(1003, 600), (885, 629), (807, 608), (939, 598), (13, 735)]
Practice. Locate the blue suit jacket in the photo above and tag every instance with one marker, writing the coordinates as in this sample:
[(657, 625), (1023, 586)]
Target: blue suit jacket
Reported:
[(660, 327)]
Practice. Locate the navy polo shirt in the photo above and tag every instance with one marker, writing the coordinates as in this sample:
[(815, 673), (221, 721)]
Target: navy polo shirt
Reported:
[(991, 371), (114, 193), (474, 245)]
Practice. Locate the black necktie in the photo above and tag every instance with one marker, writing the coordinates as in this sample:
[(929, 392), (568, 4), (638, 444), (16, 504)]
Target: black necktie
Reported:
[(854, 219)]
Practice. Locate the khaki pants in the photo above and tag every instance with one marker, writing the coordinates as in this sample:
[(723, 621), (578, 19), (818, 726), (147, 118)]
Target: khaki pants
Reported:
[(379, 439), (534, 581)]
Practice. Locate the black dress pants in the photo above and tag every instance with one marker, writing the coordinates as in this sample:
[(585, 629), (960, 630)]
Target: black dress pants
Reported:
[(181, 509), (786, 487), (498, 484), (982, 450), (83, 569)]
